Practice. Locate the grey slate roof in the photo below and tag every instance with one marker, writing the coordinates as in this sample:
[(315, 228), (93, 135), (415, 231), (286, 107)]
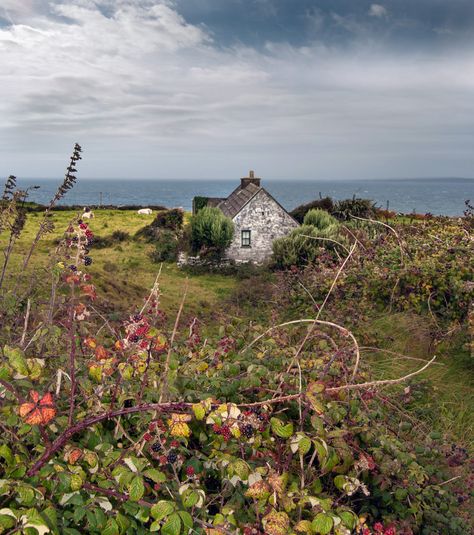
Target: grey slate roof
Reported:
[(238, 199), (214, 201)]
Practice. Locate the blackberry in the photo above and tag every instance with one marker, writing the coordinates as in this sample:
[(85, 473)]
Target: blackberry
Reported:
[(87, 260), (247, 431), (128, 403), (172, 457), (73, 268), (225, 432), (156, 447), (137, 318), (134, 338)]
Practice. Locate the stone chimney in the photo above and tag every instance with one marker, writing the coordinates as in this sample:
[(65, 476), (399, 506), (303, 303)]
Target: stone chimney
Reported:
[(251, 179)]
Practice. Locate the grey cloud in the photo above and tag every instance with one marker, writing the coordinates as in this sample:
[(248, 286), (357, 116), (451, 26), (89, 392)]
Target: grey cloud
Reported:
[(148, 93)]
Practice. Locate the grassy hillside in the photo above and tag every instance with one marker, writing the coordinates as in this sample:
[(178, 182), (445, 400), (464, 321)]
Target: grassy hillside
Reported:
[(124, 269)]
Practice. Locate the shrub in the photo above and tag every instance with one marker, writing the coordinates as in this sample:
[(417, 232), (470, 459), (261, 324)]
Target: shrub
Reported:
[(199, 203), (319, 218), (118, 236), (169, 219), (346, 208), (166, 247), (303, 246), (326, 204), (211, 231)]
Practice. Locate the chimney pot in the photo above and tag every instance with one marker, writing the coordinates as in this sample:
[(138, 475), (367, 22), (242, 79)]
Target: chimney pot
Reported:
[(251, 179)]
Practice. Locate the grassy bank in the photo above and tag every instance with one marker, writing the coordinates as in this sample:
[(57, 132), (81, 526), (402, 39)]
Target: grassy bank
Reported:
[(124, 270)]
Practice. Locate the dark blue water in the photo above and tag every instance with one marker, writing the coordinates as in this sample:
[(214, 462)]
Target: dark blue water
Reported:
[(438, 196)]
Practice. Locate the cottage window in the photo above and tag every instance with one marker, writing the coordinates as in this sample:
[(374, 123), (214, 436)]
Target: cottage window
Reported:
[(245, 238)]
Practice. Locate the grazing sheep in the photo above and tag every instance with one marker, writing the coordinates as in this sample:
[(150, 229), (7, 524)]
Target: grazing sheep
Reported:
[(87, 214), (145, 211)]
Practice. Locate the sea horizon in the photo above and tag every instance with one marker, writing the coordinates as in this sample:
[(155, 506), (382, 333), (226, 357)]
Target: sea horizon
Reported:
[(439, 196)]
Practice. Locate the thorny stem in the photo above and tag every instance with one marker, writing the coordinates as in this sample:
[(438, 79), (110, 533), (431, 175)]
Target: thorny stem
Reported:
[(343, 330), (72, 359), (173, 336)]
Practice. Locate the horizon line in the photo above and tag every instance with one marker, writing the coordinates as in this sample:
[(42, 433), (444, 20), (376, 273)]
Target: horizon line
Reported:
[(263, 179)]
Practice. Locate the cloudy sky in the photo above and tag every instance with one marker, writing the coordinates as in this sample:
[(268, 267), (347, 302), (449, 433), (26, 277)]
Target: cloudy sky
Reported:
[(211, 88)]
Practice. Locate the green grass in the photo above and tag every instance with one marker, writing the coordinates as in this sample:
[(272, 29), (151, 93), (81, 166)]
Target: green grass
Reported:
[(447, 400), (124, 272)]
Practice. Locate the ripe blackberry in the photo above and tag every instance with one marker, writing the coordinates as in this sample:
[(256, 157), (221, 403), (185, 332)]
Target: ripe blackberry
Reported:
[(87, 260), (137, 317), (156, 447), (73, 267), (225, 432), (133, 338), (128, 403), (172, 457), (247, 431)]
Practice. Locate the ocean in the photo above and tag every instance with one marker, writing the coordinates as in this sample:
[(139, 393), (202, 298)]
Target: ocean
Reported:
[(440, 196)]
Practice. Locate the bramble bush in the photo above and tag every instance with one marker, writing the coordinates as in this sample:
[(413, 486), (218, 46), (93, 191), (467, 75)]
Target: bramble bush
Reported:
[(211, 231), (136, 427)]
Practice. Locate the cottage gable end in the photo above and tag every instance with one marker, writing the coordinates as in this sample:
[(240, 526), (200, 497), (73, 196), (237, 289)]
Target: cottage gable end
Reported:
[(258, 223)]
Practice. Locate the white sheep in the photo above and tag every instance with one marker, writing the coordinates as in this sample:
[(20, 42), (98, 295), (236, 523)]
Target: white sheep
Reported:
[(145, 211), (87, 214)]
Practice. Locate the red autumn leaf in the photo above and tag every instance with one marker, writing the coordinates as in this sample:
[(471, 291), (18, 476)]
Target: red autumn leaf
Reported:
[(101, 353), (40, 411), (89, 290)]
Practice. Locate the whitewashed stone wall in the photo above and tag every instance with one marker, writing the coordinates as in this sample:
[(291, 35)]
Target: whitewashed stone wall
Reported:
[(266, 220)]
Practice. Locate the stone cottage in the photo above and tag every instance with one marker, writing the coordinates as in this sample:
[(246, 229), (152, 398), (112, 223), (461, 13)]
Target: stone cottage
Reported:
[(258, 220)]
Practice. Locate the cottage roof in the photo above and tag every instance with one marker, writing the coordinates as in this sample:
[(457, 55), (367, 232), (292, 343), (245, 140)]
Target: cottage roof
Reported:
[(214, 201), (238, 199)]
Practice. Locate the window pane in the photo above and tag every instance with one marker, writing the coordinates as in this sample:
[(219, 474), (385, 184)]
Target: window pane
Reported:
[(245, 238)]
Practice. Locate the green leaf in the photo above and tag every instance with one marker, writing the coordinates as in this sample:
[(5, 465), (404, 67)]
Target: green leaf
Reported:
[(26, 495), (322, 523), (7, 521), (187, 520), (79, 514), (111, 528), (172, 526), (199, 411), (349, 519), (33, 519), (76, 482), (401, 494), (190, 498), (161, 509), (6, 453), (136, 489), (156, 525), (280, 429), (122, 522), (155, 475), (340, 481), (17, 360), (64, 482)]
